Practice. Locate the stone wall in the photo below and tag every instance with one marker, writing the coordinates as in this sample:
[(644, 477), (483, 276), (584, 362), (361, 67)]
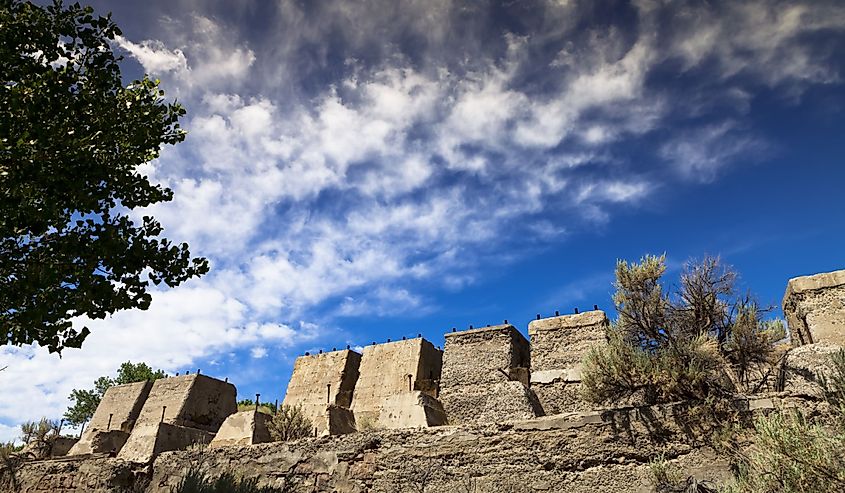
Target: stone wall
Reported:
[(583, 452), (320, 380), (814, 307), (390, 376), (558, 345), (485, 376)]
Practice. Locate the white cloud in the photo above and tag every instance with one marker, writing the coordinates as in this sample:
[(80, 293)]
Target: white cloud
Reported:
[(154, 56), (701, 153)]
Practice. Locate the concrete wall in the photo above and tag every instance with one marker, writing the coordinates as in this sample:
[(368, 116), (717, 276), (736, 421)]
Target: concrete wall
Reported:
[(391, 369), (114, 419), (319, 380), (814, 307), (243, 428), (485, 376), (179, 411), (558, 345)]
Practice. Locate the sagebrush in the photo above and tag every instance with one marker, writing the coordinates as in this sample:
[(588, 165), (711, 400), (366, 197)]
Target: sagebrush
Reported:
[(289, 423), (691, 343)]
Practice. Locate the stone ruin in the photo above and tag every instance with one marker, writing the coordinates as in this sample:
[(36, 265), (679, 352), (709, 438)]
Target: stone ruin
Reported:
[(492, 405), (397, 386), (814, 307), (113, 420), (322, 385), (486, 376), (558, 344), (138, 421)]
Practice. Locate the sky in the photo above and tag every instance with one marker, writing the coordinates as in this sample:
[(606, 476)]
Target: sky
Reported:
[(358, 171)]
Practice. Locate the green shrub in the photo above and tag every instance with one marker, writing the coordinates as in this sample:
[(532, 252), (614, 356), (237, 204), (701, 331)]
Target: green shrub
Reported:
[(289, 424), (196, 481), (791, 455), (691, 344)]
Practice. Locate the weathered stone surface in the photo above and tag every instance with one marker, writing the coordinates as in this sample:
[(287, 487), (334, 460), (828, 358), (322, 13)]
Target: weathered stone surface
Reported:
[(394, 369), (814, 307), (179, 411), (485, 376), (62, 445), (319, 380), (558, 345), (804, 366), (573, 452), (243, 428), (339, 421), (411, 410), (78, 475), (147, 441), (113, 420)]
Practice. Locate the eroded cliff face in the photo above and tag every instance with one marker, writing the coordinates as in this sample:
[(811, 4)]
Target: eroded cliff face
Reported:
[(578, 452)]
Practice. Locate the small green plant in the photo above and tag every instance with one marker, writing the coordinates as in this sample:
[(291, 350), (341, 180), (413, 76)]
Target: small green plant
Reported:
[(196, 481), (663, 474), (289, 424), (791, 455)]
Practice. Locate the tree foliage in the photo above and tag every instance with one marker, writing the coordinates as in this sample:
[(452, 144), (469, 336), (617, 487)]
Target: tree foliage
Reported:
[(72, 137), (85, 402), (698, 341)]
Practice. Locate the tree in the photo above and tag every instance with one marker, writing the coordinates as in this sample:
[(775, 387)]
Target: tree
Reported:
[(85, 402), (72, 137), (700, 341)]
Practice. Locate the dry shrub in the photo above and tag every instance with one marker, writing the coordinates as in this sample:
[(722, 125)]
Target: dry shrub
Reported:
[(699, 341), (289, 424)]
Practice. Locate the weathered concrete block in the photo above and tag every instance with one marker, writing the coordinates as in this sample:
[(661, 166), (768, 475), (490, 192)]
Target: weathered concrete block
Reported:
[(339, 421), (192, 406), (411, 410), (558, 345), (243, 428), (147, 441), (814, 307), (485, 376), (321, 380), (113, 420), (391, 369)]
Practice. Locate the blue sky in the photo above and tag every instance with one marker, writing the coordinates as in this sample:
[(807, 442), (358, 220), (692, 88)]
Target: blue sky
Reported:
[(363, 171)]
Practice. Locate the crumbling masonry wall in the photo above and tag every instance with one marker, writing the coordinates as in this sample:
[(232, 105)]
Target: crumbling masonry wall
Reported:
[(814, 307), (397, 385), (558, 345), (486, 375), (323, 384)]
